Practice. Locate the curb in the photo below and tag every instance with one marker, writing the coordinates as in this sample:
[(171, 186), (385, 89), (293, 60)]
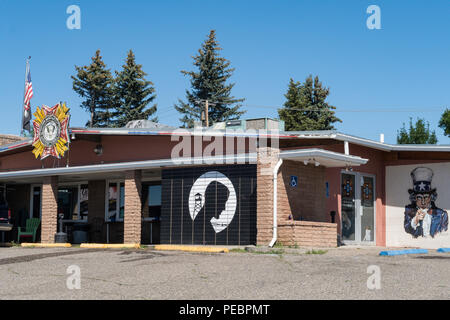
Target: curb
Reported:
[(400, 252), (163, 247), (110, 245), (46, 245)]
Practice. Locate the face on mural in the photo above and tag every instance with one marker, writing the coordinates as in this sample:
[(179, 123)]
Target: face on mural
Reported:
[(422, 217), (423, 200)]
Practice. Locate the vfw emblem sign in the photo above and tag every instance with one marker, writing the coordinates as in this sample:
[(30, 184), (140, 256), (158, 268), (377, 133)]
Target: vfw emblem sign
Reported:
[(51, 135)]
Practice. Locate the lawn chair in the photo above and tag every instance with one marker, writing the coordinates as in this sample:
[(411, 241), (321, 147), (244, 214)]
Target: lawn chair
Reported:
[(30, 230)]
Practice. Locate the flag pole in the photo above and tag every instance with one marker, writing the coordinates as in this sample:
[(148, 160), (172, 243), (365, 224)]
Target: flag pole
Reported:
[(23, 97)]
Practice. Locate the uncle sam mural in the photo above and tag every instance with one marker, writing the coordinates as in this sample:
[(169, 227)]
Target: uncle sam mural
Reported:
[(422, 217)]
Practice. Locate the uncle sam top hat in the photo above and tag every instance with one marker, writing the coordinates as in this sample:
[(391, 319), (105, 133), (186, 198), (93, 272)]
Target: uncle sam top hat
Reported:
[(422, 177)]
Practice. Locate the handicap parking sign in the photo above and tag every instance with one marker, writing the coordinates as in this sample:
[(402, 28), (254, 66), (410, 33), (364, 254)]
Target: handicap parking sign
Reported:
[(294, 181)]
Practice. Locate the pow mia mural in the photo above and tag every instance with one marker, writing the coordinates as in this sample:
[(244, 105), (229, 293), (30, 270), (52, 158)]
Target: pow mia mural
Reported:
[(422, 217), (213, 205)]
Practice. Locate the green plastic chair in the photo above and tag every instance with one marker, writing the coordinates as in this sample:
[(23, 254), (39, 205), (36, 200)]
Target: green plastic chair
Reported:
[(30, 230)]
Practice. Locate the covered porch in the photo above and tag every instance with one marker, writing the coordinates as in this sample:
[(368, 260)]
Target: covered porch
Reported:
[(105, 203), (301, 191)]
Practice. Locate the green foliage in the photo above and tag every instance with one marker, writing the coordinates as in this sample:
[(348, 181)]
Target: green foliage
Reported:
[(316, 251), (132, 94), (444, 123), (209, 83), (305, 107), (94, 84), (418, 133)]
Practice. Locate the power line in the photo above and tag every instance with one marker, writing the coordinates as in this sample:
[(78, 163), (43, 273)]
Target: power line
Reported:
[(355, 110), (364, 109)]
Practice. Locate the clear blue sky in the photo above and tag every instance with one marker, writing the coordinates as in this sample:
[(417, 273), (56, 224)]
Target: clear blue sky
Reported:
[(405, 65)]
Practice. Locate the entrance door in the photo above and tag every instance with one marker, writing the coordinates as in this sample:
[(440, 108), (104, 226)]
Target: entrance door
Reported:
[(35, 201), (358, 208)]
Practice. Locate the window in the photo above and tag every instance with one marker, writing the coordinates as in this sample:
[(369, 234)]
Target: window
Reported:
[(73, 201), (152, 200), (115, 201), (35, 205), (84, 197)]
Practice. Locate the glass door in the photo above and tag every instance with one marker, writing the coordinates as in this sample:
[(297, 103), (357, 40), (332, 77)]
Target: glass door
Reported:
[(35, 201), (348, 207), (357, 208), (367, 212)]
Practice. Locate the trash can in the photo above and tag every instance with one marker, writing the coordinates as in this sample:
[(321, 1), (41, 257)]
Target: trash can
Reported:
[(80, 233)]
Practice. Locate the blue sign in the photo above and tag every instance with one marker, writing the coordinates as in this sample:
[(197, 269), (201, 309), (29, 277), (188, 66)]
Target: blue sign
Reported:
[(294, 181)]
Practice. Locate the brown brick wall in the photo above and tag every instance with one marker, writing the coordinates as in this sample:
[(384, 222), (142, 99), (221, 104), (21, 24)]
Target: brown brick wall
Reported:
[(308, 234), (267, 159), (49, 209), (132, 217), (308, 200)]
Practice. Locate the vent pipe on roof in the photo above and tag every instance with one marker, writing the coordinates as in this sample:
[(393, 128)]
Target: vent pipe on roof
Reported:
[(382, 137)]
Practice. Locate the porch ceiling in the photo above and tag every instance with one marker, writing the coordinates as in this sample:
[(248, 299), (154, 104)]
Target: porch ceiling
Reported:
[(322, 157)]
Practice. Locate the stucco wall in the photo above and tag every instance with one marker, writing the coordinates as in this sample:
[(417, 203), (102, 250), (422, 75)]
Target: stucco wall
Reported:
[(398, 181)]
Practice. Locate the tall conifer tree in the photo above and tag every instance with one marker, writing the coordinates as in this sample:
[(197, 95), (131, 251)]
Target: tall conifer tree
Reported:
[(132, 94), (209, 82), (305, 107), (93, 83), (418, 133)]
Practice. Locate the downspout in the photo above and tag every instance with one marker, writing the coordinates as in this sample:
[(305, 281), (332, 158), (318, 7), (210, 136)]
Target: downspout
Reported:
[(275, 204)]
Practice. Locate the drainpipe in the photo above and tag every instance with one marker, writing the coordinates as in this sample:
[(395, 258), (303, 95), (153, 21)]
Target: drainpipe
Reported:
[(275, 196)]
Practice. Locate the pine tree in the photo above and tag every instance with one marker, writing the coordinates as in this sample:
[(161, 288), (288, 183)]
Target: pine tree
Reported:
[(209, 83), (132, 93), (418, 133), (93, 83), (444, 122), (305, 107)]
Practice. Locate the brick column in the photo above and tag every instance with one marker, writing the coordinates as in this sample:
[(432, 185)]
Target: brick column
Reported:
[(267, 159), (49, 209), (132, 217)]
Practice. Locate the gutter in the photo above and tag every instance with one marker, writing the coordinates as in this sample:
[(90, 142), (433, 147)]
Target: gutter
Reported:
[(275, 202)]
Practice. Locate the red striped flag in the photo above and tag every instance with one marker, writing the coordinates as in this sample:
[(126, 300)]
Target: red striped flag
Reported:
[(26, 118)]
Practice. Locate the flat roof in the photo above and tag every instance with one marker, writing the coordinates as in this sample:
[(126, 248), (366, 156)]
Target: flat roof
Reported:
[(331, 134)]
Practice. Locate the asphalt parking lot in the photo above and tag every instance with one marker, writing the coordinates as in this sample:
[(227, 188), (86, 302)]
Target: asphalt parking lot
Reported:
[(341, 273)]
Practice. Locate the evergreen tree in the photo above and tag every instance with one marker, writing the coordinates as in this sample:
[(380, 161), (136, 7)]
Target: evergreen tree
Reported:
[(209, 83), (444, 123), (419, 133), (305, 107), (132, 94), (93, 83)]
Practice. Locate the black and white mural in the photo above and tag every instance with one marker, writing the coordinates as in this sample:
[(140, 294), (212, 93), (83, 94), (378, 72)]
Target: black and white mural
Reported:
[(418, 198), (209, 205)]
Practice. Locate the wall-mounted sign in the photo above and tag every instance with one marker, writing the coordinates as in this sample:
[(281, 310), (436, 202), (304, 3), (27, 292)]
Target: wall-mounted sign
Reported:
[(51, 136), (294, 181)]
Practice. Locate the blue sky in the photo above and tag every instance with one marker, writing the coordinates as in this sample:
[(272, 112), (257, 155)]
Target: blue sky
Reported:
[(404, 66)]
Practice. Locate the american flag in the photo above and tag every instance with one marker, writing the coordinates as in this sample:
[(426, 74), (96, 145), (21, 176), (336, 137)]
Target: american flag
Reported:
[(26, 99)]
